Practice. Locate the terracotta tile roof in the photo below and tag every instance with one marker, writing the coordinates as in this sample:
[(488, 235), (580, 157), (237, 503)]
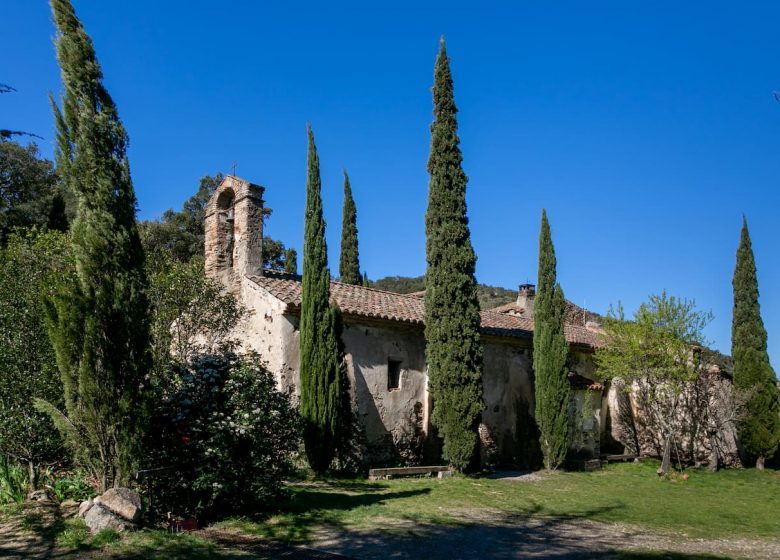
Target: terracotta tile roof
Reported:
[(405, 308), (575, 314)]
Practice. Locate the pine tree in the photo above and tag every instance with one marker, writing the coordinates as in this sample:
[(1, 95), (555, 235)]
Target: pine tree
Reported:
[(291, 261), (550, 352), (320, 372), (452, 321), (99, 327), (759, 430), (349, 264)]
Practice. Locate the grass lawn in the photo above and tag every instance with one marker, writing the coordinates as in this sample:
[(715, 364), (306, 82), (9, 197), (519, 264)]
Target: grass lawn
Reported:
[(730, 503), (737, 504)]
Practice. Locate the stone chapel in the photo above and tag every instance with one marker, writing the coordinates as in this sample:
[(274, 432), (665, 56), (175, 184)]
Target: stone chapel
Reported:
[(384, 347)]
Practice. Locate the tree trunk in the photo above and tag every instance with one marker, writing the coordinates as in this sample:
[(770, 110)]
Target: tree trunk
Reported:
[(667, 459), (32, 476), (760, 462), (714, 456)]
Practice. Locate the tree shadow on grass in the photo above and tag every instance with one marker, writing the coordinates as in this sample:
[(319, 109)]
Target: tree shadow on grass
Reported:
[(312, 507), (529, 534), (31, 532)]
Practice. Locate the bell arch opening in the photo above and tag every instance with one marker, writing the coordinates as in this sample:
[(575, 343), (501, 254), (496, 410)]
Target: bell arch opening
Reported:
[(226, 225)]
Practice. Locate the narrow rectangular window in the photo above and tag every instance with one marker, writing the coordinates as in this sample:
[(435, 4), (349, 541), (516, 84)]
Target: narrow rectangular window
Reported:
[(393, 374)]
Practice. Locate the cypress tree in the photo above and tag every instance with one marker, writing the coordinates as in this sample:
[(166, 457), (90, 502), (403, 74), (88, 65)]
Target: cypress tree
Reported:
[(320, 371), (99, 327), (349, 264), (291, 261), (551, 384), (452, 321), (366, 282), (759, 429)]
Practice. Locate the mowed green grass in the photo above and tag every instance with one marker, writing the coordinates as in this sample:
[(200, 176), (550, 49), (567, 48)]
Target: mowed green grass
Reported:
[(730, 503)]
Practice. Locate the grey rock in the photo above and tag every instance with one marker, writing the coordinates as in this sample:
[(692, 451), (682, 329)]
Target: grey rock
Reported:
[(99, 518), (69, 508), (84, 507), (122, 502)]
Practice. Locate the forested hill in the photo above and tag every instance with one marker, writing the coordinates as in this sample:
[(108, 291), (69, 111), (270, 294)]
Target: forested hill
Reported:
[(489, 296)]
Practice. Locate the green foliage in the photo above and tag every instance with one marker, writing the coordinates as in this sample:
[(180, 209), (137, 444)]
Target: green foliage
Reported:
[(488, 296), (400, 284), (291, 261), (13, 482), (227, 436), (656, 356), (321, 383), (349, 263), (33, 264), (551, 381), (29, 191), (191, 314), (99, 326), (74, 486), (452, 321), (182, 233), (759, 430)]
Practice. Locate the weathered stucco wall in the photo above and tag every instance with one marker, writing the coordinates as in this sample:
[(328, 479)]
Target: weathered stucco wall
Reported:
[(393, 421), (265, 329), (508, 433)]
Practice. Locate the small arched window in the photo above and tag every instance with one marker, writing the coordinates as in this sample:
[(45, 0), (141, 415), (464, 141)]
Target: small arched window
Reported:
[(226, 226)]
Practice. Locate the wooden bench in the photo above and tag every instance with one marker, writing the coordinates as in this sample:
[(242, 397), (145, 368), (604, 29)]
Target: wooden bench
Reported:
[(618, 458), (394, 472)]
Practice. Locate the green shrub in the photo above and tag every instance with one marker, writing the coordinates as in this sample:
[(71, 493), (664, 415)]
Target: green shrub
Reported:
[(225, 437), (72, 487), (13, 482)]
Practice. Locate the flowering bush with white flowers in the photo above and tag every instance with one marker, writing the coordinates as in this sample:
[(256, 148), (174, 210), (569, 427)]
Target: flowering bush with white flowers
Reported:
[(226, 437)]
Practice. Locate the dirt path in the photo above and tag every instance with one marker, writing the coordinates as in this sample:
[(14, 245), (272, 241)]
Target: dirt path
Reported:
[(476, 533), (481, 534), (30, 534)]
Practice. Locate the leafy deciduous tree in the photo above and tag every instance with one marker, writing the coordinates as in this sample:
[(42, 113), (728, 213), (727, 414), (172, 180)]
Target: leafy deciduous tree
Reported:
[(656, 356), (33, 263), (29, 192)]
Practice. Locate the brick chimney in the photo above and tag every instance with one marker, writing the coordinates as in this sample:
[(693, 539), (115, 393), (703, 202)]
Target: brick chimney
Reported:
[(234, 231), (525, 299)]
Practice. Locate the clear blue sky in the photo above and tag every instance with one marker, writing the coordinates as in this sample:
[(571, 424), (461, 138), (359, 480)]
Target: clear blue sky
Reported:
[(645, 130)]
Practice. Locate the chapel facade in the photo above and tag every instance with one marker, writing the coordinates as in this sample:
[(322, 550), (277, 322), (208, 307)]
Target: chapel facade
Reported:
[(384, 351)]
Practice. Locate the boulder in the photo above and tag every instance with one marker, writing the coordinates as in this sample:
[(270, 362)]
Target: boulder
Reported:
[(38, 496), (69, 508), (99, 518), (122, 502), (84, 507)]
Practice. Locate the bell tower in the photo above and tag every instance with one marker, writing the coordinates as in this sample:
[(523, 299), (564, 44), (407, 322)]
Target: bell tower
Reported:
[(234, 231)]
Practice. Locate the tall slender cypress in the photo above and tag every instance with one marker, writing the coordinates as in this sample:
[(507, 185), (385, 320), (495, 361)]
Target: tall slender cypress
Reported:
[(551, 383), (759, 430), (99, 327), (349, 263), (320, 372), (291, 261), (452, 320)]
